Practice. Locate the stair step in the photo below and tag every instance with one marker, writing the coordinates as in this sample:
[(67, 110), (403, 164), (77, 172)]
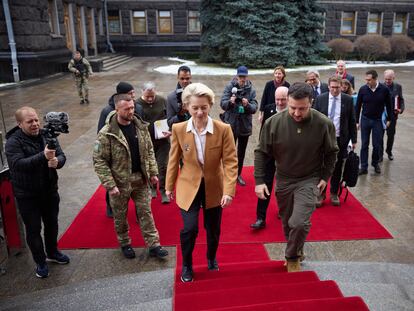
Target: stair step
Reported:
[(235, 269), (115, 60), (326, 304), (247, 281), (256, 295), (117, 64)]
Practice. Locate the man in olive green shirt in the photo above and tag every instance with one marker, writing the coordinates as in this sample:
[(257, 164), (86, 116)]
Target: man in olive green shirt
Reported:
[(302, 141)]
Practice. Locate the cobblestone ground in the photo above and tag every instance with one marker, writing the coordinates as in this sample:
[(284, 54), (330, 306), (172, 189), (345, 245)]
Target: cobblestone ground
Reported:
[(389, 196)]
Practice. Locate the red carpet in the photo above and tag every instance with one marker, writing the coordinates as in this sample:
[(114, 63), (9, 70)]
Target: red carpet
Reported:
[(11, 226), (262, 284), (351, 221)]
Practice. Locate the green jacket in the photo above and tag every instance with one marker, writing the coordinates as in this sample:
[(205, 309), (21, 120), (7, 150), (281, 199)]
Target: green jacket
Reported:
[(112, 157)]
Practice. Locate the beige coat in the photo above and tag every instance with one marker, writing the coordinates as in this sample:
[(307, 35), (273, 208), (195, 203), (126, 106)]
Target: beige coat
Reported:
[(220, 165)]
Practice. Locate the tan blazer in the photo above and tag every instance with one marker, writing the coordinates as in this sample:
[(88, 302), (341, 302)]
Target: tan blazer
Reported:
[(220, 165)]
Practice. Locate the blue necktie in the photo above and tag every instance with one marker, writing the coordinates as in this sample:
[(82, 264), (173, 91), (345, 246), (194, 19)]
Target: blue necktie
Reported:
[(333, 108)]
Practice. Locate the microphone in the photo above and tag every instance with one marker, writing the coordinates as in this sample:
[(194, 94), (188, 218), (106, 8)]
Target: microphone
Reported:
[(234, 90)]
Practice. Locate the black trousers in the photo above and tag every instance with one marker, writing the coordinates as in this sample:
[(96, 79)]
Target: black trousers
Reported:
[(269, 178), (35, 210), (241, 150), (390, 135), (337, 173), (212, 223)]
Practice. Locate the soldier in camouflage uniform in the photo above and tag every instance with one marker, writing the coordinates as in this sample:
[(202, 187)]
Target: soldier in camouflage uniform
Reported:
[(81, 69), (125, 163)]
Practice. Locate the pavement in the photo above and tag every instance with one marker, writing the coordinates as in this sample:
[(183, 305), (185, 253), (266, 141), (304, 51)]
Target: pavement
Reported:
[(389, 196)]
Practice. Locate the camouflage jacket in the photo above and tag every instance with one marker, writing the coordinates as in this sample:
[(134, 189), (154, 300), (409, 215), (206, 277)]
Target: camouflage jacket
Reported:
[(112, 157)]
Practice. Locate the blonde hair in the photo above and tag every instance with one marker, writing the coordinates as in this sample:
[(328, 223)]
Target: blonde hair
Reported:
[(19, 114), (198, 90), (350, 90)]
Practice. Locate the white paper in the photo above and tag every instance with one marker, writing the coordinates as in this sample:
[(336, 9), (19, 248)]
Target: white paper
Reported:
[(160, 126)]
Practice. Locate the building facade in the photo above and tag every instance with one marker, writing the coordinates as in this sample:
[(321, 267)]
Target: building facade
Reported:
[(47, 31)]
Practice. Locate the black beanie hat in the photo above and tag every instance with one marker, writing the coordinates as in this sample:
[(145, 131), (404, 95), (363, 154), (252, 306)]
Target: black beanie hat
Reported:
[(124, 88)]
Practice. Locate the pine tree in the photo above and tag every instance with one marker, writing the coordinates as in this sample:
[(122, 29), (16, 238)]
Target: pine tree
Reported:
[(260, 33), (309, 20)]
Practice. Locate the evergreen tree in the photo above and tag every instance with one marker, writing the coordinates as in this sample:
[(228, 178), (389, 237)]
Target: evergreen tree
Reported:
[(309, 20), (253, 33)]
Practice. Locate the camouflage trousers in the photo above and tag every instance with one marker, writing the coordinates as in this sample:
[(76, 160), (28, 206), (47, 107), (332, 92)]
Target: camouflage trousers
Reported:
[(82, 86), (138, 190)]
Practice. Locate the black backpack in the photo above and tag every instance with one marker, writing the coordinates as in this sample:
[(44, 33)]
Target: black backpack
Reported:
[(350, 174)]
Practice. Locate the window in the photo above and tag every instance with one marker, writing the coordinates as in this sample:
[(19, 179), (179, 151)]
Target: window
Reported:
[(348, 23), (53, 17), (114, 23), (139, 22), (374, 23), (400, 23), (194, 22), (100, 22), (164, 22)]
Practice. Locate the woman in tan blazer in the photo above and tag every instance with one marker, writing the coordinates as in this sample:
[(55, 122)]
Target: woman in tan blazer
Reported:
[(208, 174)]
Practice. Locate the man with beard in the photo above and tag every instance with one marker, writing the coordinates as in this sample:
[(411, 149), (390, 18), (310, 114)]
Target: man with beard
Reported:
[(176, 112), (124, 161), (302, 141)]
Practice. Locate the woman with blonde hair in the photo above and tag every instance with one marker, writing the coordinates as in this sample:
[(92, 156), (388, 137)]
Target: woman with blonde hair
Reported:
[(207, 177), (346, 87)]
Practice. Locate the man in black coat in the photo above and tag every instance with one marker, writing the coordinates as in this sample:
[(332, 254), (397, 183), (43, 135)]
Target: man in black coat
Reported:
[(340, 109), (398, 107), (34, 179)]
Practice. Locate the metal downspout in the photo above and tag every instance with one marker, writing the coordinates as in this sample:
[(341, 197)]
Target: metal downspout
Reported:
[(12, 43), (108, 42)]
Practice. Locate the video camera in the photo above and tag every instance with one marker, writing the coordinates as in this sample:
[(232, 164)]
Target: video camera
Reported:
[(55, 123), (239, 96)]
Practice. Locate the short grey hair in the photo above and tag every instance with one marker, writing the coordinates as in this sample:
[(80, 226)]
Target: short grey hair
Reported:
[(148, 86), (315, 72)]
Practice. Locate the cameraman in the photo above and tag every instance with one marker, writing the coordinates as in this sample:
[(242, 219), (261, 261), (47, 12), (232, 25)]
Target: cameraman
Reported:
[(175, 111), (82, 70), (239, 103), (35, 185)]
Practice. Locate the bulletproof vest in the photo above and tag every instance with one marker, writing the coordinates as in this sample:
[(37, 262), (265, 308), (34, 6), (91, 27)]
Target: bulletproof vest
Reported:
[(80, 66)]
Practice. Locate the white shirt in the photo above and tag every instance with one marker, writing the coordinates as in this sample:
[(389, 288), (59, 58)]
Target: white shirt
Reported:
[(200, 138), (376, 86), (337, 116)]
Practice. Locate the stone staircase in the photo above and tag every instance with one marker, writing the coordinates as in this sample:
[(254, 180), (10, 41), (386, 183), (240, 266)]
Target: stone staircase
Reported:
[(111, 61), (383, 287)]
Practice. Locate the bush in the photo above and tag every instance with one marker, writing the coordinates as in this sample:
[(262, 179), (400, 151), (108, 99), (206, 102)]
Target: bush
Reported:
[(340, 47), (370, 47), (401, 45)]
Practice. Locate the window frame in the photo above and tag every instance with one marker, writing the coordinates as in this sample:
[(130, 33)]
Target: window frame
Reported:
[(354, 23), (171, 23), (405, 25), (110, 18), (132, 23), (379, 23), (193, 18), (53, 15)]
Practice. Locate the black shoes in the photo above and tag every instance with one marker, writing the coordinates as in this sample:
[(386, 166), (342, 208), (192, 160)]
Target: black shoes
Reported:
[(42, 271), (128, 251), (241, 181), (377, 169), (212, 265), (259, 224), (390, 156), (59, 258), (187, 274), (362, 171), (158, 252)]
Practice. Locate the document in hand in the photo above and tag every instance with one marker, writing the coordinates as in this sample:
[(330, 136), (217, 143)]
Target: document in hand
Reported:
[(160, 126)]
